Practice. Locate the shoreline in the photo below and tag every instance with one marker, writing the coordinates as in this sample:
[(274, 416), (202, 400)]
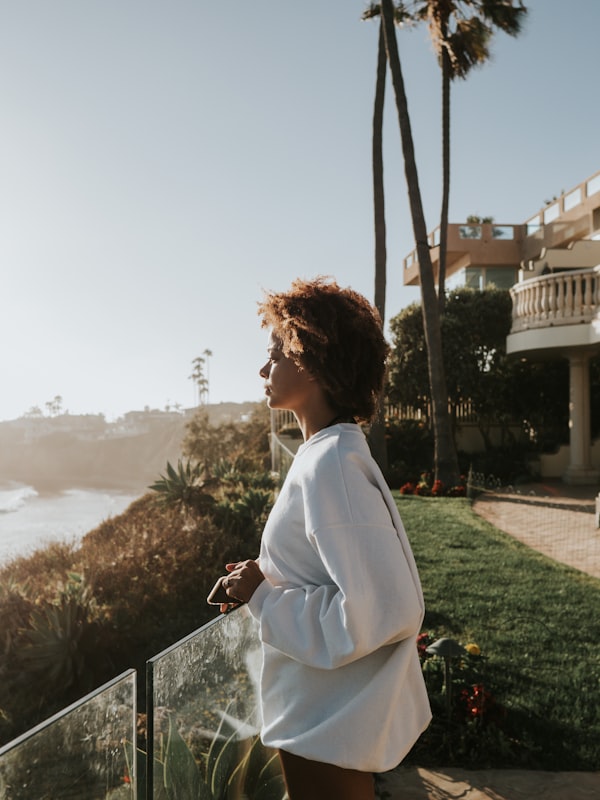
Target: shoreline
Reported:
[(52, 487), (58, 512)]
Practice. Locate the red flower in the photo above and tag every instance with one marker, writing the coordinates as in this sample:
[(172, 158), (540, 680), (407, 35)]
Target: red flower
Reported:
[(423, 641), (477, 700)]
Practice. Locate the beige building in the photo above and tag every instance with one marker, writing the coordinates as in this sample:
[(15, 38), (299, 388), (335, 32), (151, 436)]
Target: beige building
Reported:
[(551, 264)]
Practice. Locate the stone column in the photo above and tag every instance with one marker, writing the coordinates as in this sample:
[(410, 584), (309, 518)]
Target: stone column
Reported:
[(580, 469)]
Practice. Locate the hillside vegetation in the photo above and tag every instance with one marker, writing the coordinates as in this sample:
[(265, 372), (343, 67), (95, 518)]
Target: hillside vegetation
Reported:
[(525, 692)]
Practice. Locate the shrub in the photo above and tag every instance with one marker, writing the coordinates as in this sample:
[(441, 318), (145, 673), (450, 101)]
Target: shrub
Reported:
[(410, 450), (468, 722), (424, 488)]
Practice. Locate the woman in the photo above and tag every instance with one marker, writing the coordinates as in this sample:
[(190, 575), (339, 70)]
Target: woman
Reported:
[(335, 589)]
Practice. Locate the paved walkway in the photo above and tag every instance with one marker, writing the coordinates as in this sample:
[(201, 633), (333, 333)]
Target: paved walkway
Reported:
[(506, 784), (557, 520)]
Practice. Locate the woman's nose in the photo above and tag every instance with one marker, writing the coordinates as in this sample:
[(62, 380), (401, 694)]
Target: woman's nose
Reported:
[(264, 370)]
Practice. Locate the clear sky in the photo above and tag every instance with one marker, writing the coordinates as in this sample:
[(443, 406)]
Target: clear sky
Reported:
[(163, 161)]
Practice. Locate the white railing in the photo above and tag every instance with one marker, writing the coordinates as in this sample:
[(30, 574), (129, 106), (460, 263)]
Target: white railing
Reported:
[(562, 298)]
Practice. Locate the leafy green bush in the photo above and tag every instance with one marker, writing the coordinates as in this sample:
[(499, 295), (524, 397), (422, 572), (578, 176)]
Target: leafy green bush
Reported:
[(410, 451)]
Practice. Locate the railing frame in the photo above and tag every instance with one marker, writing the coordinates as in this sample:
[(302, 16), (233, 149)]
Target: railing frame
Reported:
[(568, 297)]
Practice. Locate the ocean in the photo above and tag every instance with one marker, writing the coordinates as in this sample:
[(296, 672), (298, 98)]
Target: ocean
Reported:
[(29, 520)]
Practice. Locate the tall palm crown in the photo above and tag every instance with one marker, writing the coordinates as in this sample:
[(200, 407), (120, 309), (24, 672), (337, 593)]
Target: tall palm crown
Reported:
[(463, 28), (461, 31)]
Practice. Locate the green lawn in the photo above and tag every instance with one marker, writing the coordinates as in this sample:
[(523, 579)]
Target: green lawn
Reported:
[(537, 624)]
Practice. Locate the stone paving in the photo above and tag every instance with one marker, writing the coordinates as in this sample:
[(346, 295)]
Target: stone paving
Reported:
[(558, 521), (549, 526), (455, 784)]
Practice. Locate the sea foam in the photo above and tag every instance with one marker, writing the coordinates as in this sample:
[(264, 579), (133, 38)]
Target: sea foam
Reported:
[(14, 497)]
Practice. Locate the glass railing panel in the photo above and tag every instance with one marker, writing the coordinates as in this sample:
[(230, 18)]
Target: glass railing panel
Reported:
[(533, 225), (282, 458), (204, 718), (593, 185), (469, 231), (572, 199), (551, 213), (85, 752), (503, 232)]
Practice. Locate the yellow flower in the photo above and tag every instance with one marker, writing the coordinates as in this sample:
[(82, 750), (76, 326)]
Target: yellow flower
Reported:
[(473, 649)]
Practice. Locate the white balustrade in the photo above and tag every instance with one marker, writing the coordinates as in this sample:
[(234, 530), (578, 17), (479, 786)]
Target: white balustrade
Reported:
[(562, 298)]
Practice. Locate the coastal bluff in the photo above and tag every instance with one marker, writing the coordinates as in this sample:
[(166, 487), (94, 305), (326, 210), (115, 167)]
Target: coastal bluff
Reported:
[(84, 451)]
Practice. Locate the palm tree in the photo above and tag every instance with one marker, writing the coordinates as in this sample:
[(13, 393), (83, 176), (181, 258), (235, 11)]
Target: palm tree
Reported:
[(377, 432), (198, 378), (461, 42), (207, 354), (445, 458), (400, 15), (378, 189)]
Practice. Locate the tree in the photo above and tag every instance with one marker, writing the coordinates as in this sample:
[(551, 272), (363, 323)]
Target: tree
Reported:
[(198, 377), (502, 391), (209, 444), (461, 42), (207, 355), (54, 406), (445, 458), (377, 439), (377, 433)]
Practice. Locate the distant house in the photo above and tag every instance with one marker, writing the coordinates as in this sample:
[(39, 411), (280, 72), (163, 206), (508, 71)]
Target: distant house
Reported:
[(551, 264), (82, 426)]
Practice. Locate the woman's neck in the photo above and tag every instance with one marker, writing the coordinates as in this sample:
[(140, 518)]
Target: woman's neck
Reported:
[(314, 421)]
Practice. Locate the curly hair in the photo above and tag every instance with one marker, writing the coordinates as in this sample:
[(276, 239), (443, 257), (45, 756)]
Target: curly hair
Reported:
[(336, 335)]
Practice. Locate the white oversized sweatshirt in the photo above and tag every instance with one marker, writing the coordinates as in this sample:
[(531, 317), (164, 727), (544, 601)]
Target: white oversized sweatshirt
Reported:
[(339, 612)]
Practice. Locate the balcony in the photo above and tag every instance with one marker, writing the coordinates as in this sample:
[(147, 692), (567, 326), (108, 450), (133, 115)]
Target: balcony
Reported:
[(557, 311), (487, 245), (573, 216), (557, 315)]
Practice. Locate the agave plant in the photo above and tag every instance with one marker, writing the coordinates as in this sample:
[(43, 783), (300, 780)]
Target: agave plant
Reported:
[(237, 766), (61, 636), (183, 486)]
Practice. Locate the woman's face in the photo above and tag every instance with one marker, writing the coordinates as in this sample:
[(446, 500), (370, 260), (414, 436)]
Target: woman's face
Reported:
[(286, 385)]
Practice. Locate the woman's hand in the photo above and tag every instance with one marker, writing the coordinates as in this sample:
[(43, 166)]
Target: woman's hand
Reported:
[(241, 583)]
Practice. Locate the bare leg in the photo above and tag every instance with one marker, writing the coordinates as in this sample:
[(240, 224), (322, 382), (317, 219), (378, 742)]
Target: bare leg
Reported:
[(314, 780)]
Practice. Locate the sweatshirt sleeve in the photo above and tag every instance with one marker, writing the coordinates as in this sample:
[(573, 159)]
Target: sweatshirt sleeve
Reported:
[(371, 601)]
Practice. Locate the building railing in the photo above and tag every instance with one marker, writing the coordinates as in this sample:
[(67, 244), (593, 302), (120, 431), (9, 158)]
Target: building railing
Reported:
[(462, 235), (574, 215), (85, 752), (568, 201), (199, 737), (204, 719), (562, 298)]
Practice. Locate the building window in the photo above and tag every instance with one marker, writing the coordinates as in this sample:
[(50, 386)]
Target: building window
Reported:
[(481, 278), (501, 277)]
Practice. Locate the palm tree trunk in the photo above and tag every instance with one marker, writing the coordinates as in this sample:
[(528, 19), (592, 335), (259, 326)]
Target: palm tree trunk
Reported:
[(378, 190), (445, 459), (377, 439), (445, 178)]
